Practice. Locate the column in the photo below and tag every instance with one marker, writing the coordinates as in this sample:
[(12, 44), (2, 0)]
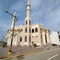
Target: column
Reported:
[(48, 36), (43, 37)]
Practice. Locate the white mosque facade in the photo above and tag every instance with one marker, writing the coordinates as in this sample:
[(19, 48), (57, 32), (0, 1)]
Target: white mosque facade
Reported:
[(28, 34)]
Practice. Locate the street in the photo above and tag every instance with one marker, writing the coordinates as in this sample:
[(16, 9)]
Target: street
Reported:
[(52, 54), (19, 50), (46, 55)]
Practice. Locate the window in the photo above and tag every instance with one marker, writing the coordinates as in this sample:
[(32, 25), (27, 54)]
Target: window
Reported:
[(59, 36), (36, 29), (32, 30), (59, 40), (29, 30), (29, 22), (45, 38), (25, 38), (58, 32), (20, 39), (26, 22), (29, 39), (26, 30)]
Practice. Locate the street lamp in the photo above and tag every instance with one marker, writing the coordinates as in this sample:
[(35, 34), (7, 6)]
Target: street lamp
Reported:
[(6, 11), (13, 25)]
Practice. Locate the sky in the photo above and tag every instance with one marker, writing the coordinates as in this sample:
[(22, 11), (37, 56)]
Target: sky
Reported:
[(44, 12)]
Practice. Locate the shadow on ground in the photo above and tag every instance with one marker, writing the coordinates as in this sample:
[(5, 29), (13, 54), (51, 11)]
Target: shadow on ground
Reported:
[(14, 58)]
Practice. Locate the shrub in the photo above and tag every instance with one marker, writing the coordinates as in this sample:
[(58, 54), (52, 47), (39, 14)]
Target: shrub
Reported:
[(4, 44)]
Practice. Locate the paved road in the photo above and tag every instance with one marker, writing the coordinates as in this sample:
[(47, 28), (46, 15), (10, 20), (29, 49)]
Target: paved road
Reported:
[(47, 55)]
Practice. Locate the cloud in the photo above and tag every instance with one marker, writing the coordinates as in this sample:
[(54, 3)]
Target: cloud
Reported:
[(53, 19), (46, 12), (18, 6), (35, 4)]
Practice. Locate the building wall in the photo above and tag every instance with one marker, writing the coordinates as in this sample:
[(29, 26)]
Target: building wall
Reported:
[(55, 38), (34, 36)]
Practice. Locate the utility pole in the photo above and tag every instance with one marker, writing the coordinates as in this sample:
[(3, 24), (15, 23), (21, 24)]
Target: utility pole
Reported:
[(12, 27)]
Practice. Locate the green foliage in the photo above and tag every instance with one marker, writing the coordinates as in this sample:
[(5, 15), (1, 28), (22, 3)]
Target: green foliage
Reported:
[(14, 34), (4, 44)]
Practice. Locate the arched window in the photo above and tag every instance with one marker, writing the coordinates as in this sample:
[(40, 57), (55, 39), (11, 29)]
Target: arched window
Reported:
[(32, 30), (25, 38), (26, 30), (20, 39), (36, 29), (29, 22)]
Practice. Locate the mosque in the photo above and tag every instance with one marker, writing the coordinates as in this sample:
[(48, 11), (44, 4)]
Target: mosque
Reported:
[(28, 34)]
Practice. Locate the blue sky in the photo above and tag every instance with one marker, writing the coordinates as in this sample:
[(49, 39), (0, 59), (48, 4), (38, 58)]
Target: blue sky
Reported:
[(45, 12)]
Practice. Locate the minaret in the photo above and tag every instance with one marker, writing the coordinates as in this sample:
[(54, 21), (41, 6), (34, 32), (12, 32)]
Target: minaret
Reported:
[(28, 9), (28, 19), (28, 23)]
